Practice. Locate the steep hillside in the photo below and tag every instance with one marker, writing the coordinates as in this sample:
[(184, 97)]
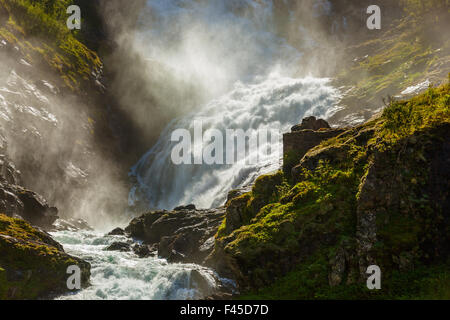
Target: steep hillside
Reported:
[(39, 30), (407, 55), (375, 194)]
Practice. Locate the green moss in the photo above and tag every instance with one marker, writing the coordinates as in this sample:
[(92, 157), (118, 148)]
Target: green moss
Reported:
[(265, 186), (404, 118), (30, 263), (310, 281), (302, 226), (39, 29), (403, 55)]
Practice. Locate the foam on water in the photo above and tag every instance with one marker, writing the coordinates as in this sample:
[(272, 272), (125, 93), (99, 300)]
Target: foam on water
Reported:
[(123, 276)]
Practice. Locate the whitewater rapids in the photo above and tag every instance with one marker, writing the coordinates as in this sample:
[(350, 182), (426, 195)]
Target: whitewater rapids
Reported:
[(123, 276)]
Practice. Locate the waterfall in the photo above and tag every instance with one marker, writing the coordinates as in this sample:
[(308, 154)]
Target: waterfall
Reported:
[(230, 48)]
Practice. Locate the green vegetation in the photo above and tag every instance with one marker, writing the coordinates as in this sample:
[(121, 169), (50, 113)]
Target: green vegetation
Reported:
[(39, 29), (407, 52), (404, 118), (418, 7), (302, 231), (309, 281), (31, 264)]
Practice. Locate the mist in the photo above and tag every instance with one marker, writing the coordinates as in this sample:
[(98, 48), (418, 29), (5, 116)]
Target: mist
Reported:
[(172, 57), (181, 58), (166, 60), (53, 139)]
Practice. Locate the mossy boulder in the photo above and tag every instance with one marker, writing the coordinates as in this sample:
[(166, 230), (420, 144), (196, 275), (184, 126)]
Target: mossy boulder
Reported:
[(32, 264)]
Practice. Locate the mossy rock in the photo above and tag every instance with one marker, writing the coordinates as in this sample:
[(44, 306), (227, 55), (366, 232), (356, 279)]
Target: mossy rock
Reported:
[(378, 194), (32, 264), (39, 30)]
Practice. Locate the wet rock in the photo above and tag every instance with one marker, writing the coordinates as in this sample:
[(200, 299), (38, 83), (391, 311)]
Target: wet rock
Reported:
[(144, 251), (220, 296), (138, 226), (8, 172), (117, 232), (10, 204), (180, 234), (119, 246), (36, 210), (199, 282), (33, 265), (15, 200)]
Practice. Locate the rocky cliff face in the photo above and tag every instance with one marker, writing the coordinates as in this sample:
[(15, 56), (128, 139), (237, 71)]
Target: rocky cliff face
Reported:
[(55, 115), (16, 201), (374, 194)]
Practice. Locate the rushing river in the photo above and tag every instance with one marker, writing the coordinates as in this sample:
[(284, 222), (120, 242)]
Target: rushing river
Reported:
[(123, 276)]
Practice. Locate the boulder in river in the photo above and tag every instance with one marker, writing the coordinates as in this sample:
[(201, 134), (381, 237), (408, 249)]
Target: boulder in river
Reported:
[(181, 235), (119, 246), (144, 251), (117, 232)]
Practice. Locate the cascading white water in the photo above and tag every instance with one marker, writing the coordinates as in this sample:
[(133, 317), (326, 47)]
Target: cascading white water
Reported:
[(276, 104), (230, 48), (123, 276)]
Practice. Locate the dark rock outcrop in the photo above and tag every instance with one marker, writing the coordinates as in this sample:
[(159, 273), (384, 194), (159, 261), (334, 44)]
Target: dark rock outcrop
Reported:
[(117, 232), (303, 138), (20, 202), (119, 246), (311, 123), (36, 210), (188, 207), (181, 236), (144, 250)]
